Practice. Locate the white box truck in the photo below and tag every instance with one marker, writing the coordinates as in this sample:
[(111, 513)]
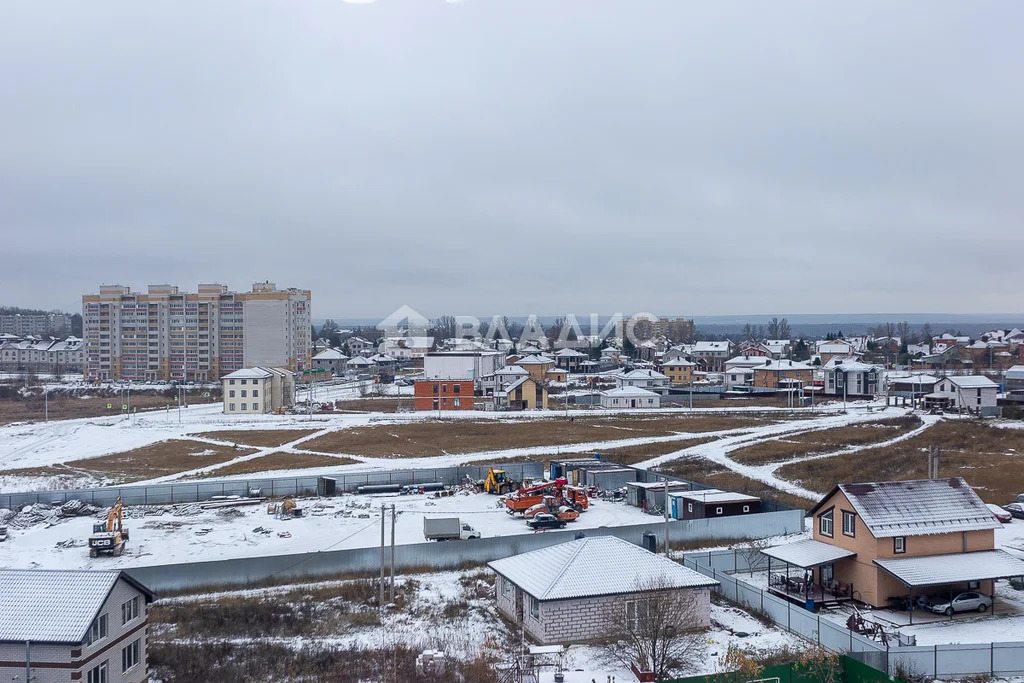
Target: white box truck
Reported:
[(447, 529)]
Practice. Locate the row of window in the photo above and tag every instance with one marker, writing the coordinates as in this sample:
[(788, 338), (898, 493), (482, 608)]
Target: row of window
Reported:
[(255, 406), (826, 523), (131, 655), (255, 393)]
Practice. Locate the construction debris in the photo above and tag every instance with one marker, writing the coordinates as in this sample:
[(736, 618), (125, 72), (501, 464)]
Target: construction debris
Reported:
[(431, 663)]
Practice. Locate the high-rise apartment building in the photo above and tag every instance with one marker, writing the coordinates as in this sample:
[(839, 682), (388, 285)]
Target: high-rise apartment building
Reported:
[(35, 324), (166, 334)]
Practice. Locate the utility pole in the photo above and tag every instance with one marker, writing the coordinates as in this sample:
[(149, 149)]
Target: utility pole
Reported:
[(129, 402), (393, 513), (46, 402), (381, 603), (667, 544)]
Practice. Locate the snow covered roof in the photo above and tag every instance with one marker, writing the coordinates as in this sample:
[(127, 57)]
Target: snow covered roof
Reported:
[(53, 605), (602, 565), (381, 358), (807, 553), (568, 353), (917, 507), (934, 570), (249, 373), (740, 370), (781, 365), (841, 347), (916, 379), (1016, 372), (535, 360), (643, 374), (511, 370), (555, 370), (678, 362), (973, 382), (849, 364), (711, 346), (628, 392), (359, 360), (330, 354)]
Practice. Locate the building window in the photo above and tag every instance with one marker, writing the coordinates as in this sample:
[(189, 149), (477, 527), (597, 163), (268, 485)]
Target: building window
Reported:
[(231, 406), (849, 523), (746, 508), (973, 585), (638, 612), (457, 388), (718, 511), (689, 507), (243, 393), (243, 406), (231, 393), (231, 382), (899, 545), (97, 674), (457, 402), (130, 656), (825, 524), (535, 608), (435, 388), (506, 586), (98, 630), (130, 610), (255, 393)]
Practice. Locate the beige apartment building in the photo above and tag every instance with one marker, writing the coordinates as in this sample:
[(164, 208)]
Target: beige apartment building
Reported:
[(166, 334)]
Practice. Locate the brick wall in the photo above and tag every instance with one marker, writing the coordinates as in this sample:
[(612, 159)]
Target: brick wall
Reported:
[(450, 395)]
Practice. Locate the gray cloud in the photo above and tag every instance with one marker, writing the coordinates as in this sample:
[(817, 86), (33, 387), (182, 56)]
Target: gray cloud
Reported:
[(517, 156)]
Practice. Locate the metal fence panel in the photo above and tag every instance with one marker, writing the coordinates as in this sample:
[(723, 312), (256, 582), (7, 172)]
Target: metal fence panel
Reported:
[(1007, 659), (912, 661)]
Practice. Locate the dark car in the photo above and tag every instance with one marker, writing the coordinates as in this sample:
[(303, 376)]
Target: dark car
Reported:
[(544, 520), (1015, 509)]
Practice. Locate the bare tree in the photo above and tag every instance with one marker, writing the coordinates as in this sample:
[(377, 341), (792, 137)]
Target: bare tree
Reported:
[(784, 331), (748, 332), (444, 327), (656, 630)]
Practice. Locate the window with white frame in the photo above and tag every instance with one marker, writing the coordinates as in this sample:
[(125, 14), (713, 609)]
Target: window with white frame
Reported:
[(899, 545), (244, 406), (97, 674), (825, 524), (98, 630), (639, 611), (129, 610), (506, 586), (255, 393), (849, 523), (130, 655), (535, 608), (231, 406)]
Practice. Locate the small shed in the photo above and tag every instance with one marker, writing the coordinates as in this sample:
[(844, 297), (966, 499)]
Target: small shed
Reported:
[(711, 503), (611, 478), (648, 495), (571, 468)]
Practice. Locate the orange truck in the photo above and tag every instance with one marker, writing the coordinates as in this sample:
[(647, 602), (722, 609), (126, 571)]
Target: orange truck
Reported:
[(574, 497)]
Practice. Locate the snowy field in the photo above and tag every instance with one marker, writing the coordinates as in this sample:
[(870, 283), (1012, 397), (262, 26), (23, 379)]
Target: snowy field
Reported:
[(348, 521)]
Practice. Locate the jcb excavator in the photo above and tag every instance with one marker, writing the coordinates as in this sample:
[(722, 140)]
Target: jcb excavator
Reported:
[(498, 482), (110, 537)]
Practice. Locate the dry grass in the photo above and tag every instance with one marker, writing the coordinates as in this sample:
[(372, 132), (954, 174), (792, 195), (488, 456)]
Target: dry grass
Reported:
[(713, 474), (62, 407), (279, 461), (824, 441), (148, 462), (634, 454), (372, 405), (424, 439), (989, 458), (258, 438), (683, 400)]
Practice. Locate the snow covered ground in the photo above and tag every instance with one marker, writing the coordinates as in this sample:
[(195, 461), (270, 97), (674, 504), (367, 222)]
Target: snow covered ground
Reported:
[(348, 521)]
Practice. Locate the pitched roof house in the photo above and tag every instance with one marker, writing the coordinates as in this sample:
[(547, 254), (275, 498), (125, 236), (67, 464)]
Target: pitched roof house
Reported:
[(547, 590), (879, 540)]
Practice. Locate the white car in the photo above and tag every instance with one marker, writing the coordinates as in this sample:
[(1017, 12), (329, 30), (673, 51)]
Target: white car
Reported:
[(965, 602)]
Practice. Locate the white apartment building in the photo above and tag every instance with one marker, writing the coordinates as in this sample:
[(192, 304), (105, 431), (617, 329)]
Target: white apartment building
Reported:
[(254, 391), (49, 356), (167, 334), (35, 324)]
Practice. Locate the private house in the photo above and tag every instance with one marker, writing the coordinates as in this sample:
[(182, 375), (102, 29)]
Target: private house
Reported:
[(556, 375), (443, 394), (360, 365), (602, 577), (502, 376), (783, 373), (880, 540), (330, 360), (630, 397), (750, 361), (472, 365), (778, 348), (522, 394), (643, 379), (711, 503), (912, 386), (753, 348), (738, 379), (357, 346), (971, 393), (406, 348), (73, 625), (1014, 378), (830, 350), (712, 354), (536, 364), (851, 378), (255, 391), (569, 359), (679, 371)]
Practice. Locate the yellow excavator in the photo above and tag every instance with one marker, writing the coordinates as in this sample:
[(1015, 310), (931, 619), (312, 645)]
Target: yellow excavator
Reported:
[(498, 482), (109, 537)]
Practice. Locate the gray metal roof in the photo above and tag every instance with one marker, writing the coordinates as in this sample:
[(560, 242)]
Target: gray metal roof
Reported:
[(919, 507), (51, 606), (807, 553), (602, 565), (935, 570)]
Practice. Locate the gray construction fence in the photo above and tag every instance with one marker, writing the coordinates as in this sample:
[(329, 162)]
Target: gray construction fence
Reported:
[(193, 492), (954, 660)]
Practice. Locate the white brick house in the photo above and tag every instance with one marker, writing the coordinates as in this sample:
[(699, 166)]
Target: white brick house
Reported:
[(573, 591), (970, 393), (254, 391), (88, 626)]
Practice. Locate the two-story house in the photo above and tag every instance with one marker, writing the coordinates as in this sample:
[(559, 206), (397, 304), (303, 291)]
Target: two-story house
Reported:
[(969, 393), (73, 625), (895, 539)]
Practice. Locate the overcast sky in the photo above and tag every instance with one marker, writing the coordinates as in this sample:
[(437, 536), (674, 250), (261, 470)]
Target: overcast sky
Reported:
[(518, 156)]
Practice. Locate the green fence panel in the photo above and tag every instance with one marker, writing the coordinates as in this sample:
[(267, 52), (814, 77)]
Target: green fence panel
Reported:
[(852, 672)]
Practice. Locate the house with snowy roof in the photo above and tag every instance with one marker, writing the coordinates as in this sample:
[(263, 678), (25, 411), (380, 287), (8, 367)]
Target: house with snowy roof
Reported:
[(73, 625), (849, 377), (330, 360), (630, 397), (645, 379), (874, 541), (968, 393), (258, 390), (569, 359), (576, 591)]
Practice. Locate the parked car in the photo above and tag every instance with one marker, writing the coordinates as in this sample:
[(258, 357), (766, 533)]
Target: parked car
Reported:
[(965, 602), (999, 513), (545, 520), (1015, 509)]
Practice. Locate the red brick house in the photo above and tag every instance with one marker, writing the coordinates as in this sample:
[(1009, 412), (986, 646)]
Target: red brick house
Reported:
[(443, 394)]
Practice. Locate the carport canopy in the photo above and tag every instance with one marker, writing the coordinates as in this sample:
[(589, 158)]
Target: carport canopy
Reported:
[(807, 553), (936, 570)]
